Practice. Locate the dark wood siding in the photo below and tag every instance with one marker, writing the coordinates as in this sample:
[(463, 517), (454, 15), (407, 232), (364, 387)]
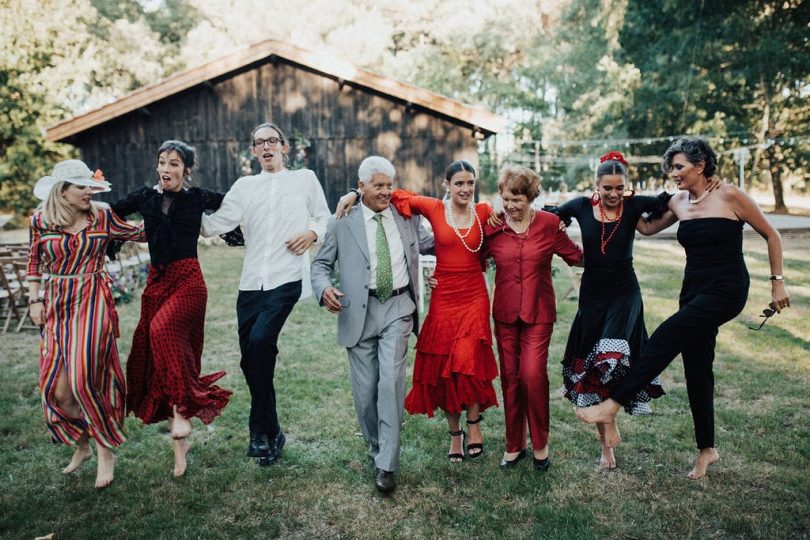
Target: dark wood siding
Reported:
[(330, 126)]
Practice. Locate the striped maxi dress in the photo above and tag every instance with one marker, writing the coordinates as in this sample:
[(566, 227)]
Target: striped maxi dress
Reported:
[(81, 325)]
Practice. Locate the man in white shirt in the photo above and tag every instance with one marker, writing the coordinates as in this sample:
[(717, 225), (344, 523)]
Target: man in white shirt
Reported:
[(282, 213), (377, 255)]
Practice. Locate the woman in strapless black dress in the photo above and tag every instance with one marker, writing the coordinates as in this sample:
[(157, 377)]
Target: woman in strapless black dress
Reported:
[(714, 291)]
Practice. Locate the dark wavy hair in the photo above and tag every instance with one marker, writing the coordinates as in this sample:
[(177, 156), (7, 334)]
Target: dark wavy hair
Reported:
[(186, 152), (695, 150)]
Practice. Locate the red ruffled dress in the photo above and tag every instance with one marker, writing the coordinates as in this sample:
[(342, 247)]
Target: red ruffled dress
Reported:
[(455, 365)]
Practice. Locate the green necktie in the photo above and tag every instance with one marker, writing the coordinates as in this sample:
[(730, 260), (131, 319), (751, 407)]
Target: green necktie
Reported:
[(385, 278)]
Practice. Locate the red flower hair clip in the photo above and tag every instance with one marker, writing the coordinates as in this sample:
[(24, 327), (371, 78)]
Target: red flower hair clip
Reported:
[(98, 176), (613, 155)]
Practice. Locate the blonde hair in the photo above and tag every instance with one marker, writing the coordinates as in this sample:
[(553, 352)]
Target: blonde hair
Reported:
[(56, 211)]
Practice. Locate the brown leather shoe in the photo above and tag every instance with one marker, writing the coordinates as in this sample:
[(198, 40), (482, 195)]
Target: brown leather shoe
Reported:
[(384, 480)]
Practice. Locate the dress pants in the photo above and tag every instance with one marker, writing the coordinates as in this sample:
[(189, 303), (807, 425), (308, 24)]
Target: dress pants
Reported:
[(692, 332), (377, 371), (523, 355), (261, 314)]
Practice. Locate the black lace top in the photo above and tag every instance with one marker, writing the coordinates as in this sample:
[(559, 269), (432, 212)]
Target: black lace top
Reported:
[(172, 235)]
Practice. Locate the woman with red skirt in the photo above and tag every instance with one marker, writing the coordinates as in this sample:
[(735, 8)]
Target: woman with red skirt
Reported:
[(163, 369), (454, 365)]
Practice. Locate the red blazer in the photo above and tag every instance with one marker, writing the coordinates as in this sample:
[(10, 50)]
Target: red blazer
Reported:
[(523, 286)]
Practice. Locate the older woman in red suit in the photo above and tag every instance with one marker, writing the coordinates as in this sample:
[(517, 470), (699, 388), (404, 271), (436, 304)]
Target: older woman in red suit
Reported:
[(525, 310)]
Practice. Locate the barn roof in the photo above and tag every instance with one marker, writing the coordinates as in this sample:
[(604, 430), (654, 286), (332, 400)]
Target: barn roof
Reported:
[(475, 117)]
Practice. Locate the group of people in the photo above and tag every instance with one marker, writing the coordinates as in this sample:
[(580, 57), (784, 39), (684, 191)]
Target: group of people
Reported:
[(366, 271)]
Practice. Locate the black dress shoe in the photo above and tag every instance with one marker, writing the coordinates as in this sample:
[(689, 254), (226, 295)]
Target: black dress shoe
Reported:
[(384, 480), (259, 445), (509, 463), (542, 464), (276, 446)]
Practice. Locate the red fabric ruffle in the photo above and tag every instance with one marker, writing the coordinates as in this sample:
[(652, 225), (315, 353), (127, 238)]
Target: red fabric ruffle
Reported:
[(455, 364)]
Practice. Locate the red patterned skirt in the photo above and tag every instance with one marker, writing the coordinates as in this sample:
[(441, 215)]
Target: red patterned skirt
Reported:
[(455, 365), (163, 369)]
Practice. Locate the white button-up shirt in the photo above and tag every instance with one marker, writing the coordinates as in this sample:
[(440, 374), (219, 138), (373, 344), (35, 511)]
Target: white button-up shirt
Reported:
[(272, 208), (399, 267)]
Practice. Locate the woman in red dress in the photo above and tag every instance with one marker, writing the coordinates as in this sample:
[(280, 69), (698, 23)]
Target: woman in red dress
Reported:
[(524, 309), (163, 369), (454, 365)]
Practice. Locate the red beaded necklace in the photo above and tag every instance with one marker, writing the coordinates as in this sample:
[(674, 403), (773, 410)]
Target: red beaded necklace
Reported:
[(617, 220)]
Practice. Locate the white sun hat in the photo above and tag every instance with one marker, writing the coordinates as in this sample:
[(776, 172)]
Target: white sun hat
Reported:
[(75, 172)]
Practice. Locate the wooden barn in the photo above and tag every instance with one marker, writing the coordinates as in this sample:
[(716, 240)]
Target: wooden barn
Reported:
[(334, 115)]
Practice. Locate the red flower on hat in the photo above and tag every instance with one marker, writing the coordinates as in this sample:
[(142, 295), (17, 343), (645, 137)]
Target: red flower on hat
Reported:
[(614, 155), (98, 176)]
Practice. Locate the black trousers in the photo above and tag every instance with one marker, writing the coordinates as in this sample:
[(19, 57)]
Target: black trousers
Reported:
[(261, 315), (691, 332)]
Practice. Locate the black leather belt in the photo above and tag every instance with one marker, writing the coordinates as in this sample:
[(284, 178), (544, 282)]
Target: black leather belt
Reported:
[(395, 292)]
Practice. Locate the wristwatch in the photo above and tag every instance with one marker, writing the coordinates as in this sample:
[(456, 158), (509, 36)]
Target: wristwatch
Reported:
[(36, 301), (777, 277)]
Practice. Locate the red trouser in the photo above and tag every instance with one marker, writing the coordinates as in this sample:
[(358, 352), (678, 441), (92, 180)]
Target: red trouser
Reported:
[(523, 354)]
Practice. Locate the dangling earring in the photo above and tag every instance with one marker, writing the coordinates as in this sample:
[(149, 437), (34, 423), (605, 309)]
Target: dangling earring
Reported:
[(157, 186), (595, 198)]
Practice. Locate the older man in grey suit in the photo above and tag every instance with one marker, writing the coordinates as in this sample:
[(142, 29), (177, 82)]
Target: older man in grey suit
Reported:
[(377, 256)]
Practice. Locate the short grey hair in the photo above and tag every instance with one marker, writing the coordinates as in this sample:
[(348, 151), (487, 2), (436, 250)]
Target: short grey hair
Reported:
[(373, 165)]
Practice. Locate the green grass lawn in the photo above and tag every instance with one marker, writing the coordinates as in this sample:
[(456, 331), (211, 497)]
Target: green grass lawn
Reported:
[(322, 487)]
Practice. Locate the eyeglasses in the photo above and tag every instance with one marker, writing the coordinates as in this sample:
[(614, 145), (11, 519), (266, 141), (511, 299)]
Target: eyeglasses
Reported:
[(768, 312), (272, 141)]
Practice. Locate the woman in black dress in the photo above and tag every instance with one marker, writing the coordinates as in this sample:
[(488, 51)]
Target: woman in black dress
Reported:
[(608, 331), (714, 291)]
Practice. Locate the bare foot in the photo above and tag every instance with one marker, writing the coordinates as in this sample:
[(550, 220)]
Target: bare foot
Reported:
[(180, 426), (181, 448), (510, 456), (83, 453), (106, 467), (611, 436), (607, 460), (604, 413), (706, 457), (540, 454)]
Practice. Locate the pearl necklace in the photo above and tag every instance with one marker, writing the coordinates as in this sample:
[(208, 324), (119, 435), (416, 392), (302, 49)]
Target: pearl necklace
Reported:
[(448, 211)]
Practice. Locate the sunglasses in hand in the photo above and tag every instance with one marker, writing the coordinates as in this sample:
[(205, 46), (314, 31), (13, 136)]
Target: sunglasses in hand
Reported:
[(767, 313)]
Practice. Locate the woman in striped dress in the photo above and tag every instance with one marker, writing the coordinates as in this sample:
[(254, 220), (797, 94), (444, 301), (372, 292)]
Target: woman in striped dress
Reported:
[(80, 376)]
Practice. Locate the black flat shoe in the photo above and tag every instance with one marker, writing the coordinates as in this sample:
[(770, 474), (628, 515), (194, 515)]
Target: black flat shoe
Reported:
[(259, 445), (384, 480), (509, 463), (542, 464)]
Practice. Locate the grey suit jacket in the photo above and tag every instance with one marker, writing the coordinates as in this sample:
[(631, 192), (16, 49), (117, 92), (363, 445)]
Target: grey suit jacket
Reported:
[(345, 243)]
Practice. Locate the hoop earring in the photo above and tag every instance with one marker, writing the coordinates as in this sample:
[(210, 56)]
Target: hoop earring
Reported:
[(595, 198)]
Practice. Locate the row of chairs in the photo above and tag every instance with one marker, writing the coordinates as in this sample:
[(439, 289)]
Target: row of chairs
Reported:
[(13, 287)]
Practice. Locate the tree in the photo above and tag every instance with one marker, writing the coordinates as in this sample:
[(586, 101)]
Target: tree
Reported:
[(60, 58)]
